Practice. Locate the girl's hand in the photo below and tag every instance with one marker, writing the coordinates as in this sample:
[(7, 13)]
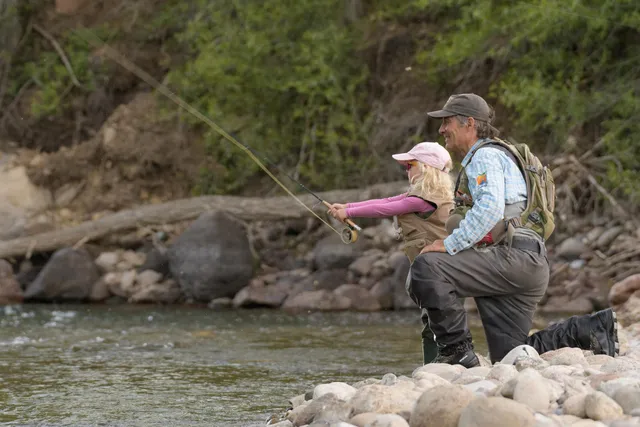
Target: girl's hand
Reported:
[(337, 206), (339, 214)]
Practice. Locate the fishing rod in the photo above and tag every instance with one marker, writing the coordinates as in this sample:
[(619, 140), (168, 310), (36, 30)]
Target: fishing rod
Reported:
[(348, 235)]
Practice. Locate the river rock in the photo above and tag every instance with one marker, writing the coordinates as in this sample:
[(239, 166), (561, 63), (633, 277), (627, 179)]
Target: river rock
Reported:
[(387, 420), (483, 387), (599, 406), (575, 405), (382, 291), (384, 399), (496, 411), (322, 300), (68, 276), (211, 258), (10, 290), (107, 261), (340, 390), (607, 238), (443, 370), (364, 419), (261, 296), (441, 406), (361, 299), (620, 364), (520, 351), (565, 356), (571, 248), (331, 252), (622, 290), (166, 292), (305, 414), (628, 397), (502, 373), (531, 389)]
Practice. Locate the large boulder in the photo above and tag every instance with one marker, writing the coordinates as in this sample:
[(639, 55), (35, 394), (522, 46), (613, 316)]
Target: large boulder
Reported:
[(332, 253), (212, 258), (68, 276)]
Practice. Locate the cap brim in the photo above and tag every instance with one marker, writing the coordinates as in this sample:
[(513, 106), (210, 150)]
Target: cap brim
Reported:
[(403, 157), (440, 114)]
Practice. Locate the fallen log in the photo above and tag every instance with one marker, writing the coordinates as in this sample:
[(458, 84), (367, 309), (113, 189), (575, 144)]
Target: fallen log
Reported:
[(244, 208)]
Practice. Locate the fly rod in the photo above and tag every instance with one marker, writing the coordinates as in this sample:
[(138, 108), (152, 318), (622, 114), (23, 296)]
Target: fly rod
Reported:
[(348, 235)]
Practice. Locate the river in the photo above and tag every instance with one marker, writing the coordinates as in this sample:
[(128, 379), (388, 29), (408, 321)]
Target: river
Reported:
[(131, 365)]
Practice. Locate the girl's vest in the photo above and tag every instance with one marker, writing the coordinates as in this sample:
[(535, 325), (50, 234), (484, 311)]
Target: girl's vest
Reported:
[(419, 230)]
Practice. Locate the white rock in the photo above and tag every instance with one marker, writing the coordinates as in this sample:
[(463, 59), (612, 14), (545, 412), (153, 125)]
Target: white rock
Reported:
[(611, 387), (484, 387), (440, 406), (383, 399), (444, 370), (521, 350), (575, 405), (619, 365), (341, 390), (496, 411), (107, 261), (531, 389), (599, 406), (502, 373), (628, 397), (385, 420), (544, 421)]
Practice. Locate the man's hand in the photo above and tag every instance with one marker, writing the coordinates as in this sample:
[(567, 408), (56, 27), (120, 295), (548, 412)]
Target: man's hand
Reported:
[(436, 246)]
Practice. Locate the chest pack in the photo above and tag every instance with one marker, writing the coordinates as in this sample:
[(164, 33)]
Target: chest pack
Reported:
[(538, 212)]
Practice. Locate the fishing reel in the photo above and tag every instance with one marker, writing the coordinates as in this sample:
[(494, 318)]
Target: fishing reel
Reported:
[(348, 235)]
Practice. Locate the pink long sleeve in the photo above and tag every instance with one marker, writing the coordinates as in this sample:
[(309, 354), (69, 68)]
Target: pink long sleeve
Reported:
[(376, 201), (386, 208)]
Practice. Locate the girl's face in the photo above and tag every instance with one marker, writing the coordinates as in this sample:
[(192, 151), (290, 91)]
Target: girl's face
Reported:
[(413, 169)]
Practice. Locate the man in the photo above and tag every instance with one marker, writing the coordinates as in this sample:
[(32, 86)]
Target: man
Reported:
[(508, 276)]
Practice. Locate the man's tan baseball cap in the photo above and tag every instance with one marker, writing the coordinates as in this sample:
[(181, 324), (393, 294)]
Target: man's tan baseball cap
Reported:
[(465, 104)]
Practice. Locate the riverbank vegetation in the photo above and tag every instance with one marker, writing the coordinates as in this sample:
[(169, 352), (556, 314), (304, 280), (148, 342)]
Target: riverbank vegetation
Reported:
[(327, 89)]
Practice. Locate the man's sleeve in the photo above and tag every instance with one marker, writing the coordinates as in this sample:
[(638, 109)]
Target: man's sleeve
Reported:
[(486, 184)]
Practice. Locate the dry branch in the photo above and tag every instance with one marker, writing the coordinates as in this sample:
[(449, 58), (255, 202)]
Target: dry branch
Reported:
[(245, 208)]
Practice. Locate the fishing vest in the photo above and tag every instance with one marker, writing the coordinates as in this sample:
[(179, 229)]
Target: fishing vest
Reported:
[(421, 229), (535, 215)]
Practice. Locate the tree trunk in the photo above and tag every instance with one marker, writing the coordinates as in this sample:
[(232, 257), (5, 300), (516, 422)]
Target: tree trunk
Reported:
[(245, 208)]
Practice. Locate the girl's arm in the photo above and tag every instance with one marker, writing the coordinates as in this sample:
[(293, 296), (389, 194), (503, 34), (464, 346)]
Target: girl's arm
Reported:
[(376, 201), (390, 208)]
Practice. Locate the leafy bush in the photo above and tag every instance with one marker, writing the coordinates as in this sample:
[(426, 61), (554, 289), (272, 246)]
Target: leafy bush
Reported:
[(284, 76)]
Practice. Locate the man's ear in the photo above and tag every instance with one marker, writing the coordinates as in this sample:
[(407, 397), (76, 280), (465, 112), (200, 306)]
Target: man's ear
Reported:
[(471, 122)]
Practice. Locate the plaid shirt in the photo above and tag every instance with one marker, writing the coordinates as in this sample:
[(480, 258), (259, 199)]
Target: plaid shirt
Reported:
[(494, 180)]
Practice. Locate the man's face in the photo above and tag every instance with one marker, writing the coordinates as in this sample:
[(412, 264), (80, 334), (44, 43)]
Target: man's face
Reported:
[(458, 137)]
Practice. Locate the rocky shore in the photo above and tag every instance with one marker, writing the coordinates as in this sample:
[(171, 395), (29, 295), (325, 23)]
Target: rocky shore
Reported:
[(566, 387)]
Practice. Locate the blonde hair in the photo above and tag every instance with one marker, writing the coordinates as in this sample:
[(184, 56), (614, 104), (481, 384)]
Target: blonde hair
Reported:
[(433, 183)]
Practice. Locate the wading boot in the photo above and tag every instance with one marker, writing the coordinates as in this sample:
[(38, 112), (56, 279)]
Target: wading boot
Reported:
[(603, 333), (458, 354), (597, 332)]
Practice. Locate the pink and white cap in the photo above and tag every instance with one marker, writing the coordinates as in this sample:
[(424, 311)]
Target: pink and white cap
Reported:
[(429, 153)]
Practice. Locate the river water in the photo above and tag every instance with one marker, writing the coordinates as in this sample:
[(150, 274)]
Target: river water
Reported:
[(131, 365)]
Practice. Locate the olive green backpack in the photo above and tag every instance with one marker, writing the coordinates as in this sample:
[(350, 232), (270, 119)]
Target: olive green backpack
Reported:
[(541, 189)]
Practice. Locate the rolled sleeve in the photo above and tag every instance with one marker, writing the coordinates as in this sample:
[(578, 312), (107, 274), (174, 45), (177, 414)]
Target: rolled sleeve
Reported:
[(487, 188)]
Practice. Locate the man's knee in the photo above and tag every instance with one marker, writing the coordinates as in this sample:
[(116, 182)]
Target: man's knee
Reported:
[(423, 279)]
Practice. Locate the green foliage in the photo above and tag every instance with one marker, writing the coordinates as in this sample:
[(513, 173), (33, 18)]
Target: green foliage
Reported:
[(563, 69), (284, 76), (52, 78)]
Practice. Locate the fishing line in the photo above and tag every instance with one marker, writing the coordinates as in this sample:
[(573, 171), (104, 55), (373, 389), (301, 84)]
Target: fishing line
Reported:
[(348, 235)]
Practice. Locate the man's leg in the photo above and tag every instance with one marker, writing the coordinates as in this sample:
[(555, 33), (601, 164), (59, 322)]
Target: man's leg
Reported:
[(597, 332), (429, 346), (519, 278)]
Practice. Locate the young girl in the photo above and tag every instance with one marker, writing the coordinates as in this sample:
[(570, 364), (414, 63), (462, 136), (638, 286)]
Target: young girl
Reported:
[(422, 211)]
